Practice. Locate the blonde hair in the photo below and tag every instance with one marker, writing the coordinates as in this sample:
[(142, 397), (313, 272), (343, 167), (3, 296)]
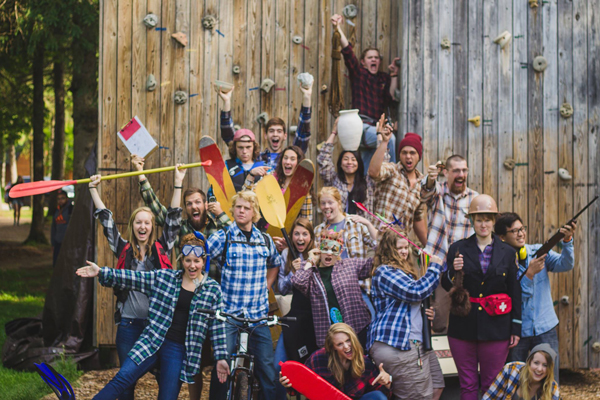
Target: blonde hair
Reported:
[(357, 363), (387, 254), (251, 198), (333, 192), (525, 378), (132, 239)]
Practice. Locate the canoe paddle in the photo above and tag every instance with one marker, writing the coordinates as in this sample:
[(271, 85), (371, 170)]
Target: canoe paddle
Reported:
[(272, 204), (41, 187)]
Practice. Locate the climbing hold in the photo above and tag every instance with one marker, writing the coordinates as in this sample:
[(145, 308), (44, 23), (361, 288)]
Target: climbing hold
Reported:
[(510, 164), (180, 97), (266, 85), (221, 86), (564, 174), (475, 120), (565, 300), (150, 83), (297, 39), (262, 118), (446, 43), (237, 127), (324, 89), (236, 69), (293, 129), (566, 110), (596, 347), (533, 3), (181, 38), (503, 39), (209, 22), (151, 20), (305, 80), (540, 64), (350, 11)]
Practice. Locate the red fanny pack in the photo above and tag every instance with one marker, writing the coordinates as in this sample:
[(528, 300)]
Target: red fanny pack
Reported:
[(494, 304)]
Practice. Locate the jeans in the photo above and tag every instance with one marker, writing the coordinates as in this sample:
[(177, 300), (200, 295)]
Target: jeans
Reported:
[(280, 355), (375, 395), (369, 145), (521, 351), (128, 332), (170, 355), (260, 345), (369, 304)]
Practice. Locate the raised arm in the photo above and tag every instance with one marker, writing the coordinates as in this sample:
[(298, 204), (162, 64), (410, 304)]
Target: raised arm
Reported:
[(303, 132), (177, 186), (150, 199), (379, 156), (227, 130), (325, 157), (141, 281), (397, 284), (93, 185), (337, 21)]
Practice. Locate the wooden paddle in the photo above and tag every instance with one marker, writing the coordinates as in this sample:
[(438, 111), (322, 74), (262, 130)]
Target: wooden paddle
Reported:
[(41, 187), (273, 207)]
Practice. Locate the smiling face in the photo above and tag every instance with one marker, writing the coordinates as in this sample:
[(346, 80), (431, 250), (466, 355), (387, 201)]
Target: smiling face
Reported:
[(193, 266), (195, 208), (538, 366), (409, 158), (329, 207), (289, 162), (142, 227), (343, 346), (457, 173), (244, 150), (515, 235), (300, 238), (483, 225), (276, 138), (349, 163), (402, 247), (371, 61)]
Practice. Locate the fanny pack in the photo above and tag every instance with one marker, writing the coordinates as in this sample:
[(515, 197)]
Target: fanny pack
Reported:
[(494, 304)]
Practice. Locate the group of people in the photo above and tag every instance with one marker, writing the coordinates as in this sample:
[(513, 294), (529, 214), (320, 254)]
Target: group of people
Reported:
[(357, 289)]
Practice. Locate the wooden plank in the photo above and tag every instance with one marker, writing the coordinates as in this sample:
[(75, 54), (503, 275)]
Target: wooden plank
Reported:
[(565, 160), (196, 85), (182, 82), (253, 77), (505, 106), (267, 55), (445, 89), (460, 66), (384, 38), (227, 13), (240, 43), (311, 65), (431, 46), (581, 165), (403, 18), (489, 118), (283, 43), (296, 62), (368, 33), (415, 71), (475, 84), (519, 109)]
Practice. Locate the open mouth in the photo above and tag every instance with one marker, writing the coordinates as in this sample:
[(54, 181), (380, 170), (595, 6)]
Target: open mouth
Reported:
[(196, 215), (459, 182), (275, 142), (327, 213), (409, 164), (300, 246), (142, 234), (328, 259), (288, 170), (348, 354), (193, 271)]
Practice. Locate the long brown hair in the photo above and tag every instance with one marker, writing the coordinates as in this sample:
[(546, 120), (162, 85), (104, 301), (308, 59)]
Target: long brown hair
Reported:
[(525, 378), (357, 364), (132, 239), (279, 168), (387, 254), (306, 224)]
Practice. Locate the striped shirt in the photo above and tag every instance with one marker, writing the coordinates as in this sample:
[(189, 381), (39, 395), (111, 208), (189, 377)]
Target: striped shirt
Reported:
[(507, 382)]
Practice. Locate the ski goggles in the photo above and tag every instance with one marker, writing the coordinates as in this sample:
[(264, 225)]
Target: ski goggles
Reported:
[(331, 247), (197, 250)]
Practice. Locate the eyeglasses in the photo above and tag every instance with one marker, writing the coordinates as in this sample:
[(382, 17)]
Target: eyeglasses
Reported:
[(515, 231), (197, 250)]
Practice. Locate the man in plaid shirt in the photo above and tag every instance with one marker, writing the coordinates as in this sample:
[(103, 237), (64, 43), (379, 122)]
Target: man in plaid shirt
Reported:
[(275, 131), (249, 264), (372, 91)]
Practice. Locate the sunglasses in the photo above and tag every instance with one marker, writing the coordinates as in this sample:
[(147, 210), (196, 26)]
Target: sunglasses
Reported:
[(197, 250)]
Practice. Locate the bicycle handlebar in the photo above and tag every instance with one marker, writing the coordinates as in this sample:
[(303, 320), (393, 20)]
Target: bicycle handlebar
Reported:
[(222, 316)]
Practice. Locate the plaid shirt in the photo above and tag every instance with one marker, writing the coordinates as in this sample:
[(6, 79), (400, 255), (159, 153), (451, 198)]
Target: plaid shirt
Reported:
[(301, 140), (370, 93), (507, 382), (355, 388), (393, 195), (330, 178), (162, 288), (244, 275), (448, 221), (392, 292), (485, 257), (357, 239), (344, 279)]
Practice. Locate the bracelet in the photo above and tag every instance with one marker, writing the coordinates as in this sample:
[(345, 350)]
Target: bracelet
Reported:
[(178, 187), (393, 76)]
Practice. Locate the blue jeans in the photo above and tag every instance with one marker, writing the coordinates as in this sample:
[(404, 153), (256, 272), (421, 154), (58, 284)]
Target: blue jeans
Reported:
[(369, 145), (280, 355), (170, 355), (521, 350), (375, 395), (128, 332)]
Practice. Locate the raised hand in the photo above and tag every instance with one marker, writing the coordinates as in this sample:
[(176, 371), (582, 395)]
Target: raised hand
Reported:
[(137, 162), (90, 271), (336, 20), (393, 68), (95, 181), (568, 231), (179, 174), (536, 266)]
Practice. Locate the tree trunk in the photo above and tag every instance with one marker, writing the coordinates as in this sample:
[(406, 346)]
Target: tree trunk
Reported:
[(36, 233), (58, 147), (14, 174), (85, 85)]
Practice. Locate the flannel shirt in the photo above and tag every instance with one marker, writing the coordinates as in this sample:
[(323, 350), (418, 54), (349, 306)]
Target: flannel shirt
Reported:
[(301, 140), (357, 239), (370, 93), (507, 382), (355, 388), (392, 292), (344, 279), (244, 273), (162, 288), (448, 221), (330, 178), (393, 195)]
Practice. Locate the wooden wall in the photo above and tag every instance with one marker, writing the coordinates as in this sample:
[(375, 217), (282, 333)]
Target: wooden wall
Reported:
[(440, 90)]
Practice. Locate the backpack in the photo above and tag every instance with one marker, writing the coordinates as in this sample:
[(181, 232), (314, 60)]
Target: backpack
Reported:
[(223, 258)]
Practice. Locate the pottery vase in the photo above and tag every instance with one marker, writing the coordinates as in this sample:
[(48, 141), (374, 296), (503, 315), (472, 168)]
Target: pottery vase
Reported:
[(350, 129)]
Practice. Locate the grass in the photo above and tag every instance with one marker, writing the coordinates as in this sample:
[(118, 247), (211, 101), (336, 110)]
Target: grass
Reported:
[(25, 214), (22, 294)]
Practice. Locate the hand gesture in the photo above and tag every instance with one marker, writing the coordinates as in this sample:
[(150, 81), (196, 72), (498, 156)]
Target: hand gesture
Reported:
[(214, 208), (307, 91), (357, 218), (535, 266), (383, 378), (95, 181), (436, 259), (280, 243), (285, 382), (432, 173), (568, 231), (314, 256), (336, 21), (459, 262), (90, 271), (393, 67), (259, 171), (222, 370), (386, 130), (179, 174), (137, 162), (430, 312), (296, 264), (226, 97)]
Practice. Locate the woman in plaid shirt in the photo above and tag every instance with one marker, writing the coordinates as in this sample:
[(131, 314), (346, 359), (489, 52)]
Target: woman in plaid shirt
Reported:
[(176, 330)]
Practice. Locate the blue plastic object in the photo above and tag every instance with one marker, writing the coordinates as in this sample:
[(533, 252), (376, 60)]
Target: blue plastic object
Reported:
[(58, 383)]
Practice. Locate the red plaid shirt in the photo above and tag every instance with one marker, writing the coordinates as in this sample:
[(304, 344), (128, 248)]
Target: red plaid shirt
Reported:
[(370, 93)]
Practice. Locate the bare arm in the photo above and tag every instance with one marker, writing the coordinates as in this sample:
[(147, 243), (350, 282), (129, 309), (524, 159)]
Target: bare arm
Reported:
[(178, 182), (394, 75), (336, 21), (94, 192), (138, 164), (379, 156), (271, 276), (420, 228)]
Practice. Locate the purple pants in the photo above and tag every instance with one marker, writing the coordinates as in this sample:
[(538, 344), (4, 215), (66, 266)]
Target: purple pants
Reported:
[(490, 356)]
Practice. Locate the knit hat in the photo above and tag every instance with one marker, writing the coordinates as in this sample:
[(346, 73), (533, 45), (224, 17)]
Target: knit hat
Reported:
[(545, 347), (244, 132), (413, 140)]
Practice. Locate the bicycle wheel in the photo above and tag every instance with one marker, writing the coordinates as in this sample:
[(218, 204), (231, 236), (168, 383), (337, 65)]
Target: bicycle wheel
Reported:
[(240, 386)]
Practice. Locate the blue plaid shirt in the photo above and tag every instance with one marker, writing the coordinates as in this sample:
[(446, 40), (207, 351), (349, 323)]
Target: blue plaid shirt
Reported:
[(163, 287), (392, 291), (244, 273)]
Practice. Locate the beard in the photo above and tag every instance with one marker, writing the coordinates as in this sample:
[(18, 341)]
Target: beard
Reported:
[(200, 223)]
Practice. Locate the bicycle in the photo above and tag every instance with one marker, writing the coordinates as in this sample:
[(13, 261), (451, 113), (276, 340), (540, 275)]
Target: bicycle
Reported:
[(241, 377)]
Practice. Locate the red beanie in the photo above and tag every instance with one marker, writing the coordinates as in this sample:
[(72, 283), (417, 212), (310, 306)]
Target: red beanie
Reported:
[(412, 140)]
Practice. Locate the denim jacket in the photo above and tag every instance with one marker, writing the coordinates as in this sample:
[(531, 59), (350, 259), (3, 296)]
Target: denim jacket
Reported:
[(537, 302)]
